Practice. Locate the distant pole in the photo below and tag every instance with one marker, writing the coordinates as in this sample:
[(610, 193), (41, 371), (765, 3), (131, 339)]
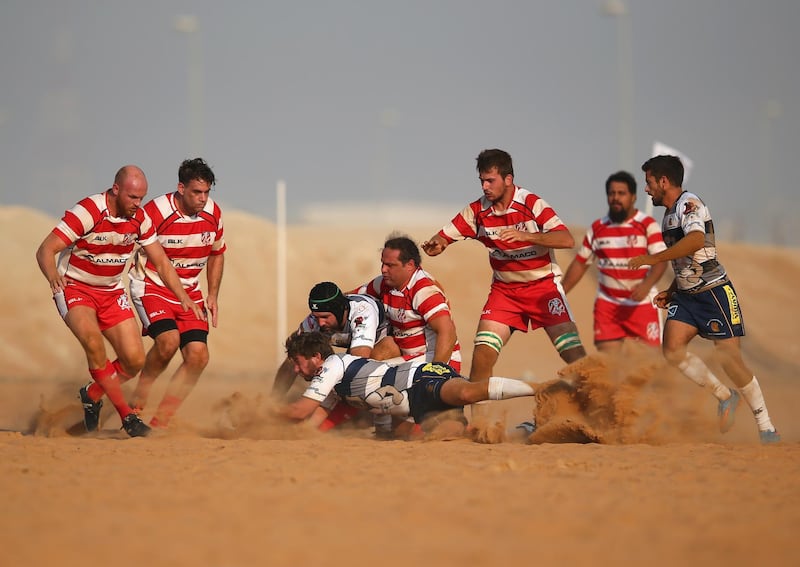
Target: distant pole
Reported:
[(280, 270), (618, 10), (771, 112), (190, 25)]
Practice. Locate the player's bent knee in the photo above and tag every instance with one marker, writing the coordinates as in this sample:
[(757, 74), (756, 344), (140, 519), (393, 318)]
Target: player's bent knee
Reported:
[(489, 339)]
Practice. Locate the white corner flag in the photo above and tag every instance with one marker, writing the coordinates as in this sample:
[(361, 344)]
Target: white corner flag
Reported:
[(662, 149)]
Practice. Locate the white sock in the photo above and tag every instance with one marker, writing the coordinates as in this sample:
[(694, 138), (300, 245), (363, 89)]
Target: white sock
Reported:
[(696, 370), (505, 388), (755, 399)]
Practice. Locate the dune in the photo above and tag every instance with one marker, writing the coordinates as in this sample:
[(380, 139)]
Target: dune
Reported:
[(229, 486)]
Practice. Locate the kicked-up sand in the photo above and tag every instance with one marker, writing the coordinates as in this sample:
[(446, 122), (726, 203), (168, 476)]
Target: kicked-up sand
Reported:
[(627, 466)]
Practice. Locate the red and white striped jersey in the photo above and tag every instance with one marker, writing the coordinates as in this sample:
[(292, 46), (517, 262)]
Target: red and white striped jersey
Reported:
[(611, 245), (99, 245), (188, 242), (512, 262), (409, 310)]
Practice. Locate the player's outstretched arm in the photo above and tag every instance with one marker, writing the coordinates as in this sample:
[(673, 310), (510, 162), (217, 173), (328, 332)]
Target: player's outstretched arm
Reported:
[(300, 410)]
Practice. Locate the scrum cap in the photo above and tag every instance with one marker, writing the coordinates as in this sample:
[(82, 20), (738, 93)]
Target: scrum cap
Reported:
[(326, 296)]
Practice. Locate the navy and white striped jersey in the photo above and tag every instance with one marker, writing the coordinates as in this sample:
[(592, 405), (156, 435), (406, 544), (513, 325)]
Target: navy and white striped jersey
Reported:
[(365, 383)]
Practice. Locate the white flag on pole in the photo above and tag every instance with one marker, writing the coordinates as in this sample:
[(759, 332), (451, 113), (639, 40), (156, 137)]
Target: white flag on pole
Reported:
[(661, 149)]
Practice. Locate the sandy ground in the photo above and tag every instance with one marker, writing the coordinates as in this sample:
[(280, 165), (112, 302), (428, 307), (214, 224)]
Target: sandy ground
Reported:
[(227, 485)]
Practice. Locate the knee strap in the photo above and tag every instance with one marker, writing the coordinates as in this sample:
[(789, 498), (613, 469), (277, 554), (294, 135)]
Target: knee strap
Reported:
[(567, 341), (489, 339)]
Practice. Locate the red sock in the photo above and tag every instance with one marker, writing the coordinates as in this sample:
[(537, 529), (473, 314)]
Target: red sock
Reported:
[(341, 413), (166, 409), (109, 382), (123, 376), (96, 392)]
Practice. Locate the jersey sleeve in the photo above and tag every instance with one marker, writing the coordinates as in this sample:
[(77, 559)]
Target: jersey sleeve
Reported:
[(371, 288), (78, 221), (655, 241), (693, 213), (219, 246), (363, 325), (544, 215), (147, 231), (463, 225), (585, 254), (321, 386)]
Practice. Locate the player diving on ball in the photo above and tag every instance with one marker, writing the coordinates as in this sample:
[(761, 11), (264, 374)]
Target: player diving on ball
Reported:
[(416, 388)]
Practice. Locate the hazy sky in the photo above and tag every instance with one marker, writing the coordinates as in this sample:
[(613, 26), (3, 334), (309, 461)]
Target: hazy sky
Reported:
[(375, 100)]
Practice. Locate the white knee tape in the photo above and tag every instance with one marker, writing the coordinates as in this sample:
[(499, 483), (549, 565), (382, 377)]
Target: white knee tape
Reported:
[(489, 339)]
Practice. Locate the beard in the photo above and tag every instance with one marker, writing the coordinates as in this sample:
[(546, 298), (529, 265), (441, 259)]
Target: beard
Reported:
[(617, 216)]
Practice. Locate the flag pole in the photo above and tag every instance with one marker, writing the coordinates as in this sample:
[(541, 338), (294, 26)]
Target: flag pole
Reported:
[(280, 271)]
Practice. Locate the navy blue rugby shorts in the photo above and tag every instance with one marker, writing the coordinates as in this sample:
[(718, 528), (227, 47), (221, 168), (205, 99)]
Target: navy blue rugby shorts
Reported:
[(715, 312), (424, 395)]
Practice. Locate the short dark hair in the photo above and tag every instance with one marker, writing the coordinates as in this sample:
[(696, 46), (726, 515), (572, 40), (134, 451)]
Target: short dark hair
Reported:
[(407, 247), (500, 159), (195, 168), (622, 177), (308, 344), (665, 166)]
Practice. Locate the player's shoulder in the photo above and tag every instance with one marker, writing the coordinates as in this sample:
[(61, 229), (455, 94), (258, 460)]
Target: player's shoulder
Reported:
[(642, 219), (213, 208), (341, 361), (141, 218), (95, 205), (420, 279), (688, 203), (599, 224), (160, 201), (361, 304), (360, 298), (688, 196), (528, 197)]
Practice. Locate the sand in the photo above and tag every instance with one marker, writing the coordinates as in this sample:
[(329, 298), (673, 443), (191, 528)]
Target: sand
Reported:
[(228, 485)]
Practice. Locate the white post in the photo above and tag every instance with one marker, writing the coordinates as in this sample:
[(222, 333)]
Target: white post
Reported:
[(189, 25), (619, 11), (280, 271)]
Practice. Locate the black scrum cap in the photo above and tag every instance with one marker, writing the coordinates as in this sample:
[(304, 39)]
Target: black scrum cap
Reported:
[(326, 296)]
